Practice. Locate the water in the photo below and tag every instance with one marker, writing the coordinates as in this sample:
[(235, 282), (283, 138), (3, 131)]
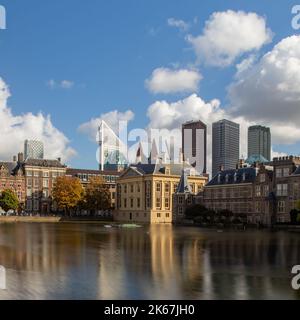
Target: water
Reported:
[(88, 261)]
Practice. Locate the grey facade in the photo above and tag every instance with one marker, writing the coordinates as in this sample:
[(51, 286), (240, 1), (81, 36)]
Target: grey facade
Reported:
[(259, 142), (33, 149), (225, 145)]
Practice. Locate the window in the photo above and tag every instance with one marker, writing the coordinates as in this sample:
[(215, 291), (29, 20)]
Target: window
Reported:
[(139, 202), (131, 203), (158, 203), (29, 173), (180, 200), (266, 190), (279, 173), (29, 192), (45, 183), (138, 188), (257, 191), (125, 188), (167, 203), (175, 186), (286, 172), (167, 215), (125, 203), (158, 215), (29, 182), (281, 206), (180, 210), (262, 177), (131, 188), (158, 187), (282, 190), (36, 183), (36, 174), (226, 178), (45, 193), (167, 188), (45, 174)]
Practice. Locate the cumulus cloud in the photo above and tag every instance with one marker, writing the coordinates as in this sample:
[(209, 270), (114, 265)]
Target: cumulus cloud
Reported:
[(111, 118), (269, 92), (17, 128), (63, 84), (177, 23), (228, 35), (164, 80)]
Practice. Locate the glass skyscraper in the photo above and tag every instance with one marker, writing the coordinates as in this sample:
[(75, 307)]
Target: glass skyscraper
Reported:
[(33, 149), (259, 142), (225, 145)]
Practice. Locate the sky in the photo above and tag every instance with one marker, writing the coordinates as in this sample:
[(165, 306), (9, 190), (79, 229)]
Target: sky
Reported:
[(65, 64)]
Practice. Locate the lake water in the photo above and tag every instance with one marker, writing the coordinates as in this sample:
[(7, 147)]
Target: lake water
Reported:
[(88, 261)]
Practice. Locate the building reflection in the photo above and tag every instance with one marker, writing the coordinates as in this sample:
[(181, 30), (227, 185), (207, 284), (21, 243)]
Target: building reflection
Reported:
[(77, 261)]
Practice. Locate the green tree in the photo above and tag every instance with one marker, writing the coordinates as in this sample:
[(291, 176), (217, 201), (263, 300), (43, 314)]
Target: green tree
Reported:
[(9, 200), (97, 195), (194, 211), (67, 193)]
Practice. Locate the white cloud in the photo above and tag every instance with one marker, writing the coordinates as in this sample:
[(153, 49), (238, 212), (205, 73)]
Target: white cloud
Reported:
[(180, 24), (15, 129), (269, 92), (164, 80), (111, 118), (63, 84), (227, 35)]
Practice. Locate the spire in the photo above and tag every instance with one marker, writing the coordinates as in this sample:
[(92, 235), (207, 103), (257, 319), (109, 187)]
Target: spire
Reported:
[(184, 186)]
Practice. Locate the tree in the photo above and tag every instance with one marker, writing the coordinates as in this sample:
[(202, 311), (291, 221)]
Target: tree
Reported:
[(67, 193), (194, 211), (9, 200), (97, 195)]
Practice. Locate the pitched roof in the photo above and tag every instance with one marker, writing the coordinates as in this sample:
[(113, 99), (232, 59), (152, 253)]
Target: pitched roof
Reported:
[(234, 176), (183, 186), (12, 167), (44, 163), (73, 172), (297, 171)]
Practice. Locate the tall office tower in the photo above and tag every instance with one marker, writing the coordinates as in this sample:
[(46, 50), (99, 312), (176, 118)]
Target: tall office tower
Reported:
[(225, 145), (194, 145), (112, 151), (33, 149), (259, 142)]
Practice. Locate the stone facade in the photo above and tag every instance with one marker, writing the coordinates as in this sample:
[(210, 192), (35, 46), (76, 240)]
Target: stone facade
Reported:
[(145, 191), (12, 177), (40, 176)]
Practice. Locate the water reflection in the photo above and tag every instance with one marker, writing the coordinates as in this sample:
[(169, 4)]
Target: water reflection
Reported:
[(87, 261)]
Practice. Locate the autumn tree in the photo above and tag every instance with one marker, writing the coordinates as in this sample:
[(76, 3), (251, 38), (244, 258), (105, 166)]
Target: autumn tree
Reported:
[(9, 200), (97, 195), (67, 193)]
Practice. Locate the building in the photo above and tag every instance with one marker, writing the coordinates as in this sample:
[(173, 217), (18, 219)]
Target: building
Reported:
[(183, 198), (40, 177), (286, 185), (259, 142), (145, 191), (33, 149), (225, 145), (12, 177), (112, 151), (194, 145), (109, 177), (243, 191)]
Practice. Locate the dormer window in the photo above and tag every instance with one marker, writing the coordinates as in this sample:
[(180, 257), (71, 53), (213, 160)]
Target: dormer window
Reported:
[(227, 178), (244, 176), (235, 177), (219, 178)]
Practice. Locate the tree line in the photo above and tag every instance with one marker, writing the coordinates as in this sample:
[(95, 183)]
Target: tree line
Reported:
[(68, 195)]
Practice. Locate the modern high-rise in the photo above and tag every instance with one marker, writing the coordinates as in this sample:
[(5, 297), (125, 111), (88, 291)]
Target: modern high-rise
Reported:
[(194, 145), (259, 142), (33, 149), (225, 145)]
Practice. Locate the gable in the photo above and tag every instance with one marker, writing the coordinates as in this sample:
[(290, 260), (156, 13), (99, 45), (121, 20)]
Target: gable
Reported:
[(130, 172)]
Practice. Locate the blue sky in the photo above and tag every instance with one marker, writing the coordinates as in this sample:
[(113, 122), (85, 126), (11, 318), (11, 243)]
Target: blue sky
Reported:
[(107, 49)]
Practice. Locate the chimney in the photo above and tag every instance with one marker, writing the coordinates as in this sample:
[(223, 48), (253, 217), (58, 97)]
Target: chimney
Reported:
[(59, 159), (221, 168), (14, 158), (20, 157)]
